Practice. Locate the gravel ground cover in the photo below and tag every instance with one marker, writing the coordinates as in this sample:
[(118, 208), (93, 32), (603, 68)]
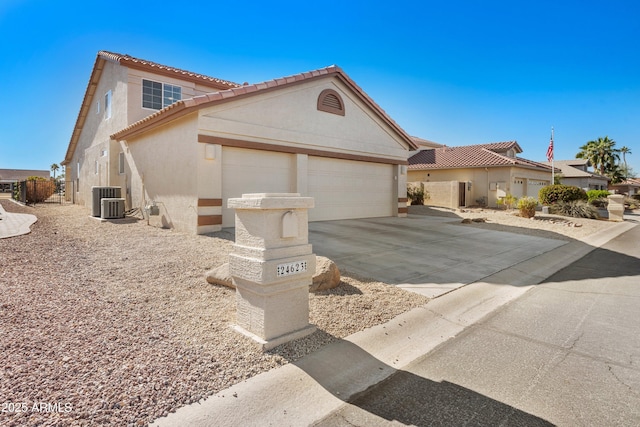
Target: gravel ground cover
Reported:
[(113, 323)]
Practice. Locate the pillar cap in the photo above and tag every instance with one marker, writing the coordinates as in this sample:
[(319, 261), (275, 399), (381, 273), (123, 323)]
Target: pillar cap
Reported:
[(271, 201)]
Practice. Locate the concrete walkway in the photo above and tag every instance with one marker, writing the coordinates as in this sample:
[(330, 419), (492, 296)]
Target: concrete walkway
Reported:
[(15, 224), (305, 391)]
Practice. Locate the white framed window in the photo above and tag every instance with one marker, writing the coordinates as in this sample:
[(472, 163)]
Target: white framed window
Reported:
[(107, 105), (97, 107), (103, 153), (156, 95), (121, 163), (97, 168)]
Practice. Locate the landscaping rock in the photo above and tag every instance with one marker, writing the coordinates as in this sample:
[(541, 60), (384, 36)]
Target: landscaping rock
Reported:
[(327, 275), (220, 276)]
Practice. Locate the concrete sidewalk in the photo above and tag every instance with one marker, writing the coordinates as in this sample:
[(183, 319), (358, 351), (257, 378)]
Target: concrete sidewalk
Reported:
[(303, 392), (15, 224)]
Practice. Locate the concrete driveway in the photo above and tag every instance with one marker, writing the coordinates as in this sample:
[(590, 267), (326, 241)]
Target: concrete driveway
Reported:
[(429, 255)]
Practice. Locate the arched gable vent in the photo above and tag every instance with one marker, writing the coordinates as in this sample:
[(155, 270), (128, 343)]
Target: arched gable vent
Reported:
[(331, 102)]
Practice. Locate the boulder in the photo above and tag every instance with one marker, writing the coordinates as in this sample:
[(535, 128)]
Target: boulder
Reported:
[(220, 276), (327, 275)]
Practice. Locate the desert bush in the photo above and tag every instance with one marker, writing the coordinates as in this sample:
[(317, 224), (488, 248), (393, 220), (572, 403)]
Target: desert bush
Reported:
[(631, 203), (416, 194), (507, 201), (527, 207), (575, 209), (561, 193)]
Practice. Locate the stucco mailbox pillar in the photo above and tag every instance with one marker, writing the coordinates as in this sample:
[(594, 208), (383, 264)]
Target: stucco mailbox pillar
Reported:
[(616, 207), (272, 266)]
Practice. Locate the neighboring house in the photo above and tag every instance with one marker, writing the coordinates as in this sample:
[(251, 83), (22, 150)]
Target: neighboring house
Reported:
[(8, 177), (188, 142), (575, 172), (476, 174), (630, 187)]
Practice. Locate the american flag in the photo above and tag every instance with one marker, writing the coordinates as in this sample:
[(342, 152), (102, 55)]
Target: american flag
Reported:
[(550, 149)]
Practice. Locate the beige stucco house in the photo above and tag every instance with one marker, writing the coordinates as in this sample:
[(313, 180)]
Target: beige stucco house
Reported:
[(629, 187), (476, 174), (187, 143), (575, 172)]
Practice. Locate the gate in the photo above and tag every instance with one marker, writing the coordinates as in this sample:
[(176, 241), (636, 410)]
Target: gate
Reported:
[(39, 191), (462, 193)]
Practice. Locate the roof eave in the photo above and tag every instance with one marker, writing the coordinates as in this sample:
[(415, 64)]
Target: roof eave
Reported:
[(96, 73)]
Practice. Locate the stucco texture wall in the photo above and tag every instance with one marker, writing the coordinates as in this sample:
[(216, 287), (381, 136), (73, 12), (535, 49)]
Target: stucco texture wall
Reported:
[(290, 116), (164, 165)]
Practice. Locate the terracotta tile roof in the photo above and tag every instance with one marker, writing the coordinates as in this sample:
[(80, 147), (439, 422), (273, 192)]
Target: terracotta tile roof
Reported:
[(187, 106), (154, 67), (632, 182), (472, 156)]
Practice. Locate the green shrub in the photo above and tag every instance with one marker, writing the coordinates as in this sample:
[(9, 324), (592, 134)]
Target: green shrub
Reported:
[(416, 194), (596, 195), (527, 207), (561, 193), (575, 209), (507, 201)]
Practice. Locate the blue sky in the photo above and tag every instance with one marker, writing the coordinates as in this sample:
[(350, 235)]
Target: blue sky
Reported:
[(454, 72)]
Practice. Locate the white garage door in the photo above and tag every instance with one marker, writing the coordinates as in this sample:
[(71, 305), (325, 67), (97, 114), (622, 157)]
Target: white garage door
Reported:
[(517, 187), (534, 186), (253, 171), (346, 189)]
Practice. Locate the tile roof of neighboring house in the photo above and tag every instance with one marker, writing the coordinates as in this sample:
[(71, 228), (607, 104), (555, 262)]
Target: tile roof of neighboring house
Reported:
[(471, 156), (12, 175), (570, 171), (632, 182), (129, 61), (186, 106)]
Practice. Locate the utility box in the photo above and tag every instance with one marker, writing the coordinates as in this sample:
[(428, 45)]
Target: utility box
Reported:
[(272, 266)]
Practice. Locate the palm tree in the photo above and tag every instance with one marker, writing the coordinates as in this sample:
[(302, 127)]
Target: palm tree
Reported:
[(54, 168), (601, 153), (625, 150)]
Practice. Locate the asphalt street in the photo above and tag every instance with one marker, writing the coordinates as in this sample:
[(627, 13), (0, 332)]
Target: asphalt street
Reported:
[(565, 353)]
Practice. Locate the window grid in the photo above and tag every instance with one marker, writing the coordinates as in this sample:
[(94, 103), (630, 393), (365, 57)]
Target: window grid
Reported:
[(156, 95)]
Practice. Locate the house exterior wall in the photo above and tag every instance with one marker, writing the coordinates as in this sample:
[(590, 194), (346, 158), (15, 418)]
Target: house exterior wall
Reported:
[(90, 164), (586, 183), (489, 184), (135, 111), (164, 166), (289, 116)]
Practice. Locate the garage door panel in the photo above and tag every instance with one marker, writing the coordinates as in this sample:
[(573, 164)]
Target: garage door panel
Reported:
[(345, 189), (253, 171)]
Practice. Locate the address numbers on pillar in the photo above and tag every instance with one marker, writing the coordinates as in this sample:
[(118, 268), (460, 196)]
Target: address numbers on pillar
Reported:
[(290, 268)]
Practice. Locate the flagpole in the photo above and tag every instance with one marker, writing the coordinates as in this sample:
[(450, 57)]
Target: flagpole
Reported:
[(553, 170)]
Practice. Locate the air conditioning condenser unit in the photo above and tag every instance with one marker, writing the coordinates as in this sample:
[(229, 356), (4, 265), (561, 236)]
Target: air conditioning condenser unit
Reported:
[(99, 193), (112, 208)]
